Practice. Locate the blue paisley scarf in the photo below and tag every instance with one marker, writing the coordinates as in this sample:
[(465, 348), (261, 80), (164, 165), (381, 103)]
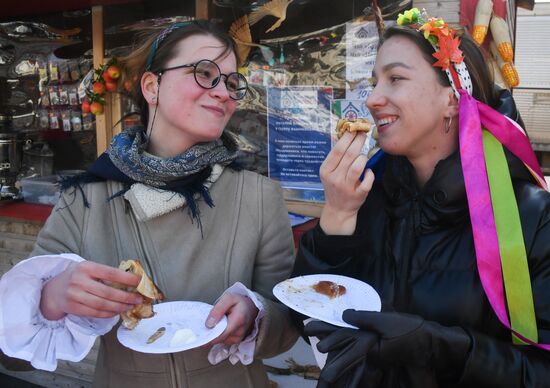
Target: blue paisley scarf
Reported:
[(127, 152), (126, 161)]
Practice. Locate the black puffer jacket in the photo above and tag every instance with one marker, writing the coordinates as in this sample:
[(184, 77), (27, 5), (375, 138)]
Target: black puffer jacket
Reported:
[(415, 247)]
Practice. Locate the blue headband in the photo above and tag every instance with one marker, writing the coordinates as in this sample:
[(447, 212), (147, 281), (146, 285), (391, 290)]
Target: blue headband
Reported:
[(163, 34)]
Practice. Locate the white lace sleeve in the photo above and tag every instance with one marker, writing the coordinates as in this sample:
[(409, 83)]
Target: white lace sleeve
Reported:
[(25, 333), (243, 351)]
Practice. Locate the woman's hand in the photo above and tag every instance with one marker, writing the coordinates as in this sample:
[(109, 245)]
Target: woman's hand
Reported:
[(346, 364), (409, 340), (241, 313), (81, 290), (344, 192), (387, 340)]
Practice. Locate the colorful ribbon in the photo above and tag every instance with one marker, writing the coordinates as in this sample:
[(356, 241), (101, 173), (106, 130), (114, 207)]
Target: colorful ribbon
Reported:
[(472, 116), (513, 257)]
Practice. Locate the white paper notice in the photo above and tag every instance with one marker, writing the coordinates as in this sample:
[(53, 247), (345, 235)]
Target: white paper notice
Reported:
[(361, 45)]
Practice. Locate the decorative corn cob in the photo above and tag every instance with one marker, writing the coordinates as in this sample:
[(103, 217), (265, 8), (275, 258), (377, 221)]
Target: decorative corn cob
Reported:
[(501, 36), (484, 9), (510, 74), (507, 69)]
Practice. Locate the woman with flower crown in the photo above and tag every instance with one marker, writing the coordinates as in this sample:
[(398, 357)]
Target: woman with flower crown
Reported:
[(451, 228), (170, 194)]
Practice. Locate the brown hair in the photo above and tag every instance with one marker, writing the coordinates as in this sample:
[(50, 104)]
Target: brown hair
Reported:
[(134, 64), (482, 78)]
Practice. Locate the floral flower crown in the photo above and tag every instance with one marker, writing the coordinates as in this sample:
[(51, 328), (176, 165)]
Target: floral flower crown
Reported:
[(445, 43)]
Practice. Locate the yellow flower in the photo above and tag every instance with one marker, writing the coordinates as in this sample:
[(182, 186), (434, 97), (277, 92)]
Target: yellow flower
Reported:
[(400, 19), (410, 16)]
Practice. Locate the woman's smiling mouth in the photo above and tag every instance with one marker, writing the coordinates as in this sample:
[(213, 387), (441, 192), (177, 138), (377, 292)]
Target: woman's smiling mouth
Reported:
[(217, 111), (382, 123)]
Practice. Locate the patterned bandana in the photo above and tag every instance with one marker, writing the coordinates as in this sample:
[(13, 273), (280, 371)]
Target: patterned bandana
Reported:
[(442, 38)]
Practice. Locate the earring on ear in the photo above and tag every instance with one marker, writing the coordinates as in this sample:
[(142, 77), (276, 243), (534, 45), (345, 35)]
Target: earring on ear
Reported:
[(154, 99), (448, 124)]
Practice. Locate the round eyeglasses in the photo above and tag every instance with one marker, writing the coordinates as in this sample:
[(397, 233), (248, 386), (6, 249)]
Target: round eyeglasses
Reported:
[(208, 74)]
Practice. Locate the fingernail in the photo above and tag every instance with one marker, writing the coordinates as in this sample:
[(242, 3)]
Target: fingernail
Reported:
[(210, 322)]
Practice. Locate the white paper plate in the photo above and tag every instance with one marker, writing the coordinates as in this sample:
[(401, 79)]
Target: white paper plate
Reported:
[(173, 316), (298, 294)]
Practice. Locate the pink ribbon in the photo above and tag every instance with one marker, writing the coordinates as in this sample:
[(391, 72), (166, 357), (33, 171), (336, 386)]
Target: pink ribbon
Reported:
[(511, 135), (472, 116)]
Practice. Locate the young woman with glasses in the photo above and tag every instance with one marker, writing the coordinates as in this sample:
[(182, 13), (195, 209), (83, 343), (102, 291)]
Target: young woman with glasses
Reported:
[(169, 194)]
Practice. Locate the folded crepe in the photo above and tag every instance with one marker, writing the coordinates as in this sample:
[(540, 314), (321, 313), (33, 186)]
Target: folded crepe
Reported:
[(352, 125), (146, 288)]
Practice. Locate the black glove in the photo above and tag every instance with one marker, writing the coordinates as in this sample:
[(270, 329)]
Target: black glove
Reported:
[(346, 364), (404, 340)]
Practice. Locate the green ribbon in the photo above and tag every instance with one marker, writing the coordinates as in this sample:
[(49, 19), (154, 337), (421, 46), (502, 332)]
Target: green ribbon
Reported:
[(515, 270)]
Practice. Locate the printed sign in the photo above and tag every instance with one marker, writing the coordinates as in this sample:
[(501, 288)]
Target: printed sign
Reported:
[(299, 123)]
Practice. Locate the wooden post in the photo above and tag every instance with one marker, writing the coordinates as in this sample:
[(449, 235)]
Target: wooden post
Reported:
[(103, 122), (201, 9), (116, 114)]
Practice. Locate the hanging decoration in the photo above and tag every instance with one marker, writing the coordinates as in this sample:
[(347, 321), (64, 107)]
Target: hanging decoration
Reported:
[(104, 79), (275, 8), (240, 28), (487, 20), (240, 32)]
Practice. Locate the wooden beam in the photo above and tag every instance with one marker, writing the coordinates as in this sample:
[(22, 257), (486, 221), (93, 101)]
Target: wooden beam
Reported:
[(201, 9), (103, 122), (116, 114)]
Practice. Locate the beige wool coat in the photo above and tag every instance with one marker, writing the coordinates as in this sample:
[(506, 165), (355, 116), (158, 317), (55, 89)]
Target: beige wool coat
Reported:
[(246, 238)]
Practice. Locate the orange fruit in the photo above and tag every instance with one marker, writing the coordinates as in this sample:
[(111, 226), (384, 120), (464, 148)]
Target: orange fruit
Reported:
[(99, 88), (96, 108)]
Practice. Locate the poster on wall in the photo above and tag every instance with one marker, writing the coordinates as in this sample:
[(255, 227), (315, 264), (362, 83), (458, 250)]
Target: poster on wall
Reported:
[(299, 124)]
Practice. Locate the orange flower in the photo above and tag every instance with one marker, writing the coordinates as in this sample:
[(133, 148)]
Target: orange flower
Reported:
[(435, 29), (448, 52)]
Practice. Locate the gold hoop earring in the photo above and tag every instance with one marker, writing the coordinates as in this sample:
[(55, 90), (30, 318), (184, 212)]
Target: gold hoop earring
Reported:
[(448, 124)]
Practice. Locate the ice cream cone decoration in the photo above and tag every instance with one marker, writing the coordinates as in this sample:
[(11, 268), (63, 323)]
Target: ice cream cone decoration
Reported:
[(501, 36), (507, 69), (501, 43), (483, 13)]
